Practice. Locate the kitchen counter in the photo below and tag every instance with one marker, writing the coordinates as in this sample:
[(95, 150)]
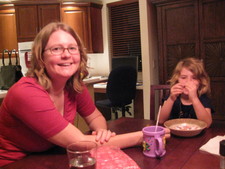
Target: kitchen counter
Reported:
[(95, 79)]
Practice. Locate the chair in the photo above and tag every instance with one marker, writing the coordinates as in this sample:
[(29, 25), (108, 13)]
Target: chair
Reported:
[(120, 90), (157, 95)]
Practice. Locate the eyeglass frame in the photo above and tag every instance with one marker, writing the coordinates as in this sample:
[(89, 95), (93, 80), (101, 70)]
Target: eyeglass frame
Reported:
[(63, 50)]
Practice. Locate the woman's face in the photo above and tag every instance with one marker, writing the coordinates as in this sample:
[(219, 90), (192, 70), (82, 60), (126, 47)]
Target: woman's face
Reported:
[(187, 78), (65, 64)]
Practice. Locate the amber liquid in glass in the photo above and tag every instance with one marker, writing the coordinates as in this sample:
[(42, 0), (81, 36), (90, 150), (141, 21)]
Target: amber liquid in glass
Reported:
[(89, 163)]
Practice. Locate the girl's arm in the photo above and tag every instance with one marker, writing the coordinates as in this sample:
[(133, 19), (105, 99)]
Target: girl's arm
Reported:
[(175, 91), (202, 113), (71, 134)]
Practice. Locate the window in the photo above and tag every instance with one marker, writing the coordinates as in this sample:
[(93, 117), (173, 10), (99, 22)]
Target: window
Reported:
[(125, 29)]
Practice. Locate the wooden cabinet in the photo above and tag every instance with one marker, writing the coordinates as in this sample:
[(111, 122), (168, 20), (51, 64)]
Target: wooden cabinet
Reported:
[(178, 35), (86, 20), (212, 47), (8, 37), (31, 18), (48, 13), (193, 28)]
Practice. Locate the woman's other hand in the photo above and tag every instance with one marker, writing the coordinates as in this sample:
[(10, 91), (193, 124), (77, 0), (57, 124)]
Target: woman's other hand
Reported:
[(103, 135)]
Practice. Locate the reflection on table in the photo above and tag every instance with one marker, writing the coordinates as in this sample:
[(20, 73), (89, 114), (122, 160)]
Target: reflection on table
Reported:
[(181, 152)]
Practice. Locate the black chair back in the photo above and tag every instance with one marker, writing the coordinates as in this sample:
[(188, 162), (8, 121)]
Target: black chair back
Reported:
[(121, 86)]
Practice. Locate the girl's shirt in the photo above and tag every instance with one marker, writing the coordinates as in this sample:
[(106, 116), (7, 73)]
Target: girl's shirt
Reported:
[(187, 111)]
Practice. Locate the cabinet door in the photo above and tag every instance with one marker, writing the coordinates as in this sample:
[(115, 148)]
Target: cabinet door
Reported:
[(213, 50), (8, 29), (27, 22), (77, 18), (86, 19), (96, 28), (178, 35), (47, 14)]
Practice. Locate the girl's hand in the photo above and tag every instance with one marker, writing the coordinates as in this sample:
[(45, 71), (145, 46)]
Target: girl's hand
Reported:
[(176, 90), (167, 132), (103, 135), (191, 89)]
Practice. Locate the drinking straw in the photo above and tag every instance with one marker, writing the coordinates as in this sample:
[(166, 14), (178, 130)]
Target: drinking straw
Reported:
[(158, 118)]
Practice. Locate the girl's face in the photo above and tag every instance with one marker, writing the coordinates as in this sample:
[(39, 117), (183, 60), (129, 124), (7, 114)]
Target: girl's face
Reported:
[(187, 78), (65, 64)]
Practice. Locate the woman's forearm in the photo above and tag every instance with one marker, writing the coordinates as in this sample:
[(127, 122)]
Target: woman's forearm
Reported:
[(96, 120), (98, 123)]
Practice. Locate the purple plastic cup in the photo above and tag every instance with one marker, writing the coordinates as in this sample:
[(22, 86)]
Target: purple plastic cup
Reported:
[(154, 141)]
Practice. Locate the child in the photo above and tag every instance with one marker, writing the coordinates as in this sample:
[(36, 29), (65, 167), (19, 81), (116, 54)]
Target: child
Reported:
[(190, 87)]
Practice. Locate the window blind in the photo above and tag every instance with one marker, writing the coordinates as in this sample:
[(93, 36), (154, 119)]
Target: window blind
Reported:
[(125, 29)]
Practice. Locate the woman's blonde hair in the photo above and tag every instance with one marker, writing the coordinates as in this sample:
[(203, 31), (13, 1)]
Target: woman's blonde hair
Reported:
[(37, 68), (197, 68)]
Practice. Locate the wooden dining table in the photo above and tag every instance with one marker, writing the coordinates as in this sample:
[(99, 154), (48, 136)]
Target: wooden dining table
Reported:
[(181, 152)]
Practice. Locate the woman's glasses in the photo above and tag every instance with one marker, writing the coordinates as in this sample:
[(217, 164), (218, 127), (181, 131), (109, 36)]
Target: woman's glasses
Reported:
[(60, 50)]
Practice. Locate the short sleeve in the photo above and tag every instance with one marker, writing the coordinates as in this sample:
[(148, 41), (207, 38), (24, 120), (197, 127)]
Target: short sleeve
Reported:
[(85, 104), (206, 102), (31, 104)]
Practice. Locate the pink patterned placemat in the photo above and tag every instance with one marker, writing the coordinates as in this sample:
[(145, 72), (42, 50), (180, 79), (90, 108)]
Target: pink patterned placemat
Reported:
[(109, 157)]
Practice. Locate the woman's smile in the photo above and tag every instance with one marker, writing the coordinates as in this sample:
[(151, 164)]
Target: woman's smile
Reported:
[(59, 62), (65, 64)]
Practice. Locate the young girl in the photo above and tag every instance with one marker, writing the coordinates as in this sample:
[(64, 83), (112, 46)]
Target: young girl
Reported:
[(190, 88)]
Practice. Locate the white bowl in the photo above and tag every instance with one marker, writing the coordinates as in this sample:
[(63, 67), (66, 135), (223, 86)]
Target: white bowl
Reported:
[(185, 127)]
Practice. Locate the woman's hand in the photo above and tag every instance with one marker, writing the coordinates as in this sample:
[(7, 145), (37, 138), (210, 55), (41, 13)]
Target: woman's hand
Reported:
[(167, 133), (103, 135)]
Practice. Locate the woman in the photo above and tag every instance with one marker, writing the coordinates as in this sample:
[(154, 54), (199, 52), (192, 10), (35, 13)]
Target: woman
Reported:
[(190, 88), (39, 110)]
